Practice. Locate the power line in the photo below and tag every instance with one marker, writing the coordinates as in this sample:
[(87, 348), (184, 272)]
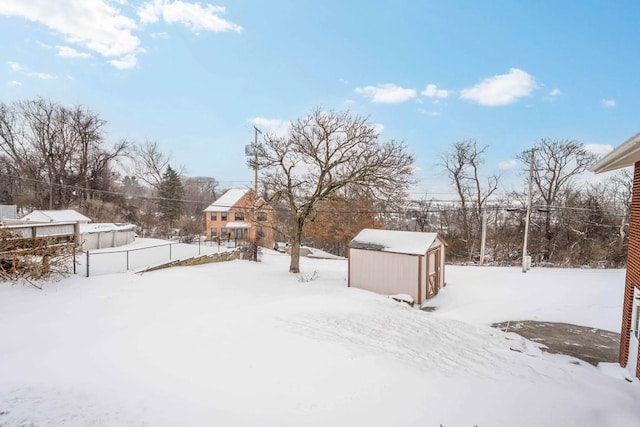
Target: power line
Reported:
[(440, 208)]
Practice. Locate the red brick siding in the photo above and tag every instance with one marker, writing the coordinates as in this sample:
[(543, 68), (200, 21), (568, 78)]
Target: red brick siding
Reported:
[(632, 278)]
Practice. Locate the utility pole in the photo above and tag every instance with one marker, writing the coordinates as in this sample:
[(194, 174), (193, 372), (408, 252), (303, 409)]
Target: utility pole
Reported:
[(483, 240), (526, 222), (255, 165), (252, 150)]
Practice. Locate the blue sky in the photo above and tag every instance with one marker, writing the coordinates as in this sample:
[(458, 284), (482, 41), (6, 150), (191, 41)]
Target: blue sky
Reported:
[(196, 76)]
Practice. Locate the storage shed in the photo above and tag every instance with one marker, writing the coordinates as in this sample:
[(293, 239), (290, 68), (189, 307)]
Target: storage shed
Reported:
[(392, 262)]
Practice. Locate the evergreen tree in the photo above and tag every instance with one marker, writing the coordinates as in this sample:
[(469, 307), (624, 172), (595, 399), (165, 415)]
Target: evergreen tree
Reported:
[(171, 193)]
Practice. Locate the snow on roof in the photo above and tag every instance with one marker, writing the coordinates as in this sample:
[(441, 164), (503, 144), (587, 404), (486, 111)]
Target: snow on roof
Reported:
[(227, 200), (68, 215), (626, 154), (405, 242), (238, 224)]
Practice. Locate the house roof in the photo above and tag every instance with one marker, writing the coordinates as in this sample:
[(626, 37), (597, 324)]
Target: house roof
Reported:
[(227, 200), (68, 215), (404, 242), (626, 154)]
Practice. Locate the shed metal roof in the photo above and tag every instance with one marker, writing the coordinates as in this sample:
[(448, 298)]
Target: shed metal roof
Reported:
[(404, 242)]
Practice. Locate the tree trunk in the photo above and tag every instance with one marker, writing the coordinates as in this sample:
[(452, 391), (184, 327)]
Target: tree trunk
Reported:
[(294, 267), (548, 235)]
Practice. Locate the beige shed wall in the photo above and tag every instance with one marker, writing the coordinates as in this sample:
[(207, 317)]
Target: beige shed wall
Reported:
[(385, 273)]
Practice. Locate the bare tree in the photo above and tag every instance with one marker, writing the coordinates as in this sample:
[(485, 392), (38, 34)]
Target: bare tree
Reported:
[(55, 149), (151, 163), (201, 191), (556, 164), (420, 212), (462, 164), (324, 152)]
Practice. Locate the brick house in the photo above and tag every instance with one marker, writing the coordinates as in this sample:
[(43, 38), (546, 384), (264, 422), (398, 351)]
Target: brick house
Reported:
[(628, 154), (238, 216)]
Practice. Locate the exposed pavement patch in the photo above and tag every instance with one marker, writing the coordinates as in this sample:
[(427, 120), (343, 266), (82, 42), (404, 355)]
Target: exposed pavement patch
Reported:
[(592, 345)]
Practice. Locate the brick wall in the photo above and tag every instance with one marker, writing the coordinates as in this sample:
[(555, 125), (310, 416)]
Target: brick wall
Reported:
[(632, 278)]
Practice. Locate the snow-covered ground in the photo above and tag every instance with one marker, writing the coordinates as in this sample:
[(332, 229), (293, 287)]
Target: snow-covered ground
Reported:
[(248, 344), (495, 294)]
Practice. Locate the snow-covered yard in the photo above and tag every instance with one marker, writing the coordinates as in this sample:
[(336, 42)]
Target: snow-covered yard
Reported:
[(248, 344)]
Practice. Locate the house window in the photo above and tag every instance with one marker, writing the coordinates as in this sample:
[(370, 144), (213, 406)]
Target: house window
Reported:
[(239, 216), (214, 233), (239, 233), (214, 216), (262, 216), (261, 232), (224, 232), (223, 216)]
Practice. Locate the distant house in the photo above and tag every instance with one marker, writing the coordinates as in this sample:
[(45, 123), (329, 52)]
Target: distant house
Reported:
[(238, 215), (397, 262), (628, 154), (68, 215)]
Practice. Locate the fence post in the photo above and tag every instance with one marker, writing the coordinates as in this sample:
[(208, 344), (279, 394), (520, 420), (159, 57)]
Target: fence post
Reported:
[(127, 260), (170, 244), (87, 263)]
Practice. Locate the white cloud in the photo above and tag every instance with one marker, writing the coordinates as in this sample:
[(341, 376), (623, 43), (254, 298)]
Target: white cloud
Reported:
[(432, 91), (349, 102), (95, 25), (160, 35), (69, 52), (272, 126), (150, 12), (21, 69), (507, 164), (553, 95), (125, 63), (193, 15), (14, 83), (428, 113), (378, 128), (608, 103), (386, 93), (18, 68), (503, 89), (598, 149)]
